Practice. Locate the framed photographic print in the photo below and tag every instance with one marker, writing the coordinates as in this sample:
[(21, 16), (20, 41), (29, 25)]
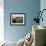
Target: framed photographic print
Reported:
[(17, 18)]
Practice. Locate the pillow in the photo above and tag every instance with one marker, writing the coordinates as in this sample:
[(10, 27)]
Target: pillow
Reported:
[(28, 40), (20, 42)]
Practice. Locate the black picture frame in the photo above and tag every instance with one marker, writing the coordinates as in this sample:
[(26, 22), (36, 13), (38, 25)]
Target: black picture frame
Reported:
[(17, 19)]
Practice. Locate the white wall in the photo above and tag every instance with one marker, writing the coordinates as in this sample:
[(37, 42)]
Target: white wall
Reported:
[(1, 20), (43, 6)]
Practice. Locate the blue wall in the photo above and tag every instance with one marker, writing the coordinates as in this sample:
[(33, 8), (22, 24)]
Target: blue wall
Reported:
[(29, 7)]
